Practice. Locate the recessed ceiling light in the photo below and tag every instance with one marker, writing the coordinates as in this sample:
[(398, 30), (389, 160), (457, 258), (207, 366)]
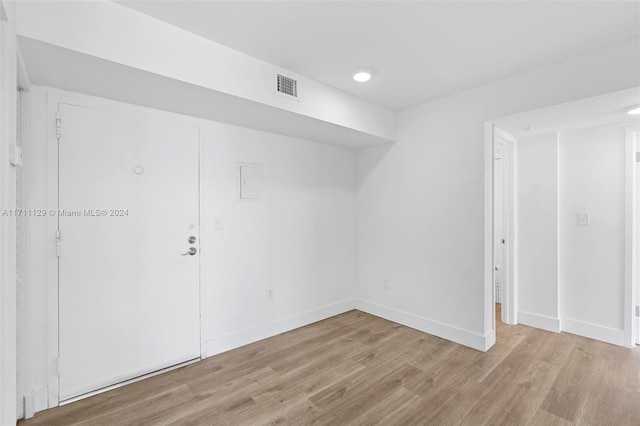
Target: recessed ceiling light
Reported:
[(634, 111), (528, 128), (362, 75)]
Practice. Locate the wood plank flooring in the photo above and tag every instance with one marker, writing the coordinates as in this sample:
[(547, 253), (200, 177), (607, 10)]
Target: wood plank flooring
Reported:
[(357, 369)]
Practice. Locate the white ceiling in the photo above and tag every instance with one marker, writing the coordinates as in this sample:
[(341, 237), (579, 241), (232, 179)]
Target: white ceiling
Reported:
[(420, 50), (596, 111)]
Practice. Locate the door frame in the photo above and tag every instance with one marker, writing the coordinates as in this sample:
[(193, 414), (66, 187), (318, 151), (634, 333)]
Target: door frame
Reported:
[(8, 276), (54, 98), (501, 188), (25, 401), (509, 298), (632, 243), (493, 135)]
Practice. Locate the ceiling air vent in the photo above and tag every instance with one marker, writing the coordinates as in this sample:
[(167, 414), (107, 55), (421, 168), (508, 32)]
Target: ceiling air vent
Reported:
[(288, 86)]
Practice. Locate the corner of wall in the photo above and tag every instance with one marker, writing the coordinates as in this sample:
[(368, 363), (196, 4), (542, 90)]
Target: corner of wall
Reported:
[(539, 321), (456, 335)]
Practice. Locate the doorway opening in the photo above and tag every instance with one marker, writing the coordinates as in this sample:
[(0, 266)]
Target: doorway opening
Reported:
[(504, 230), (573, 240)]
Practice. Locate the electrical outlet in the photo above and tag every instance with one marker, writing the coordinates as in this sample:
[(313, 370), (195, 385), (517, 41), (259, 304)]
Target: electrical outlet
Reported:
[(584, 219), (270, 294), (386, 284)]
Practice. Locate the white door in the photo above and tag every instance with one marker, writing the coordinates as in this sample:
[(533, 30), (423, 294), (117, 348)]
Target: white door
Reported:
[(498, 228), (128, 297)]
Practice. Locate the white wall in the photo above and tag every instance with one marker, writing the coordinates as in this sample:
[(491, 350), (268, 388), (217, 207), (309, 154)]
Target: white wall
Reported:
[(571, 277), (592, 257), (298, 240), (8, 83), (420, 202), (538, 298), (34, 342)]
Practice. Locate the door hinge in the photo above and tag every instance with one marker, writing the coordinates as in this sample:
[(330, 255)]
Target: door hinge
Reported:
[(58, 124), (58, 365), (58, 243), (638, 311), (637, 157)]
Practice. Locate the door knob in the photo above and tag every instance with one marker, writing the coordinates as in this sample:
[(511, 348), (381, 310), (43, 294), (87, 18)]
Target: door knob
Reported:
[(191, 252)]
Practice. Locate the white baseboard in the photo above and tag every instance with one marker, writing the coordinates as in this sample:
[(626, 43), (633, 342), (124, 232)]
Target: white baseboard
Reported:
[(593, 331), (35, 401), (539, 321), (40, 399), (489, 340), (454, 334), (21, 408), (250, 335)]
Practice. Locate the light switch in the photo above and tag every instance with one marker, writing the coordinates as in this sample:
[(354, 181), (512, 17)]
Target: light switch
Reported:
[(584, 219), (16, 156), (217, 223)]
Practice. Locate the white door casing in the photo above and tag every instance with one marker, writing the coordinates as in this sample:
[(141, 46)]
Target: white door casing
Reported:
[(632, 237), (128, 299), (636, 290), (499, 248), (635, 136)]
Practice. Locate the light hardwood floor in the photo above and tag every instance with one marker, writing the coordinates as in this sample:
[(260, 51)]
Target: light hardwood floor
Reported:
[(357, 369)]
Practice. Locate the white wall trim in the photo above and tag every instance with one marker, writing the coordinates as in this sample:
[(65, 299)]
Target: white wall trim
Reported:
[(202, 271), (454, 334), (630, 233), (39, 399), (489, 293), (489, 340), (253, 334), (593, 331), (558, 257), (539, 321), (52, 259), (8, 174)]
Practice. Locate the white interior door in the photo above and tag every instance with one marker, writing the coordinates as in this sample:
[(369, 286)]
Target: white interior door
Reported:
[(128, 297), (499, 247)]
